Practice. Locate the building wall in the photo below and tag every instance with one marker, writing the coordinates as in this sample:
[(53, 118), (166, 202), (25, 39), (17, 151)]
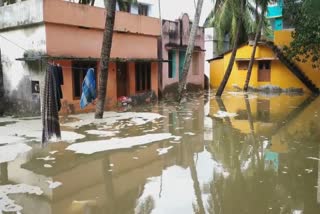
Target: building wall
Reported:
[(282, 38), (30, 12), (175, 36), (19, 74), (72, 105), (61, 41), (280, 75)]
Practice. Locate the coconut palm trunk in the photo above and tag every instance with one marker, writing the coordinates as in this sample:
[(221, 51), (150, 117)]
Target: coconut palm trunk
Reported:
[(257, 36), (234, 52), (105, 57), (189, 52)]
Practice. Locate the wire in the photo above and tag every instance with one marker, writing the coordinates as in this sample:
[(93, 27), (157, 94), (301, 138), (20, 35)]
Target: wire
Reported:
[(13, 42), (80, 68)]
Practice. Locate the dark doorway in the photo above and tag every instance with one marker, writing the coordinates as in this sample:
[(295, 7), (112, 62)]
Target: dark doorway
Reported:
[(122, 79), (264, 71)]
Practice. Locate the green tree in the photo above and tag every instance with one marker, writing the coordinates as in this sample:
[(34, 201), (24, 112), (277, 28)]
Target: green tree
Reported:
[(223, 17), (231, 10), (304, 16), (105, 57), (262, 4)]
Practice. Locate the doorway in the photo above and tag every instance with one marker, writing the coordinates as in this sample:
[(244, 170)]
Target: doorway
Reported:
[(264, 71), (122, 79)]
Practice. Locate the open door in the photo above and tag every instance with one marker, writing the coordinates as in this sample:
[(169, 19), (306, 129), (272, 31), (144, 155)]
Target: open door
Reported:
[(122, 78)]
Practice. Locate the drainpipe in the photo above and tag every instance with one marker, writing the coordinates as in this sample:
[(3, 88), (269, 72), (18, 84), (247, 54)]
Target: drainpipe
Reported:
[(1, 86)]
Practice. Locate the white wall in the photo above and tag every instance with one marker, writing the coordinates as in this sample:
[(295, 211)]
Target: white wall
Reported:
[(17, 75), (208, 43), (21, 13)]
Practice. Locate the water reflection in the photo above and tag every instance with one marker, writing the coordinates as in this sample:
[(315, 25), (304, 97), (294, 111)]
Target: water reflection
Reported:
[(256, 162)]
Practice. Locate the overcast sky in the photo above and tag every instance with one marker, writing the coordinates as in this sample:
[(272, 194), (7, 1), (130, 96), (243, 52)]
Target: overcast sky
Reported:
[(172, 9)]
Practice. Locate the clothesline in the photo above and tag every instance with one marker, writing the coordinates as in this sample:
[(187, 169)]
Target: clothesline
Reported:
[(80, 68)]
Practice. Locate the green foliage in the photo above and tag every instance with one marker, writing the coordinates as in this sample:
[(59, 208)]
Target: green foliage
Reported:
[(224, 17), (304, 16)]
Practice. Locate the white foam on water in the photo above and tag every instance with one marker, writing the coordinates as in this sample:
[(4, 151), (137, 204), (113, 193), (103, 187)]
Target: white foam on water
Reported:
[(10, 139), (48, 158), (110, 118), (7, 204), (190, 133), (53, 185), (53, 152), (162, 151), (11, 151), (92, 147), (21, 130), (313, 158), (102, 133), (222, 114)]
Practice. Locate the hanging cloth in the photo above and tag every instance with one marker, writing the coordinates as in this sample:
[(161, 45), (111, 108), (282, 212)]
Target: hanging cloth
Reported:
[(88, 89), (58, 76), (50, 106)]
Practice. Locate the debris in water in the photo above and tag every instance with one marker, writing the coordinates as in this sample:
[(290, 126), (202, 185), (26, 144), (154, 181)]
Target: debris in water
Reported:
[(47, 166), (92, 147), (53, 152), (111, 164), (190, 133), (135, 158)]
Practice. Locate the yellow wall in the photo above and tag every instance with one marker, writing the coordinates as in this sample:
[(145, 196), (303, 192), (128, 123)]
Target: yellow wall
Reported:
[(282, 38), (281, 76)]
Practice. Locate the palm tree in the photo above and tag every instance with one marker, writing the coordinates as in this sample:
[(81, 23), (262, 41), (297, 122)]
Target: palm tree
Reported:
[(263, 4), (192, 38), (222, 17), (105, 57), (235, 8)]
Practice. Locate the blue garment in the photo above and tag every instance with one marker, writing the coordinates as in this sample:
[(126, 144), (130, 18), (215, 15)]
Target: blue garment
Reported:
[(88, 88)]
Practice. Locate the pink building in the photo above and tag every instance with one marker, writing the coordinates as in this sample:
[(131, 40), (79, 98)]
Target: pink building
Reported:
[(175, 36)]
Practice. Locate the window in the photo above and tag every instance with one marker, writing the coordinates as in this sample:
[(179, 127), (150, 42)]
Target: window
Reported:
[(143, 9), (243, 65), (124, 6), (143, 76), (172, 64), (195, 64), (79, 71)]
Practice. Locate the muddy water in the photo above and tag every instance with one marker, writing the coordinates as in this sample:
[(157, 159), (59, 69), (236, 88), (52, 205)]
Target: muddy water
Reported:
[(239, 154)]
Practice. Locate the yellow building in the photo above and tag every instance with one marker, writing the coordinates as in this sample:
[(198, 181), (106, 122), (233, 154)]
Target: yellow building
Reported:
[(271, 68)]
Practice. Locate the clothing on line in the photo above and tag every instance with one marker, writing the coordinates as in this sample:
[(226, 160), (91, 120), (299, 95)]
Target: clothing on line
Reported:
[(88, 89)]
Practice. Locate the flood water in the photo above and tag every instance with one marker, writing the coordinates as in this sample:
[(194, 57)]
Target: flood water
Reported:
[(241, 154)]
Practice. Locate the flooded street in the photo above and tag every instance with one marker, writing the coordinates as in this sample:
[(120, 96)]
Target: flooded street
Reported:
[(243, 153)]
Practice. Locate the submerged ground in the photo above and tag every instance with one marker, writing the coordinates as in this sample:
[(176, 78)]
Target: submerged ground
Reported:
[(243, 153)]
